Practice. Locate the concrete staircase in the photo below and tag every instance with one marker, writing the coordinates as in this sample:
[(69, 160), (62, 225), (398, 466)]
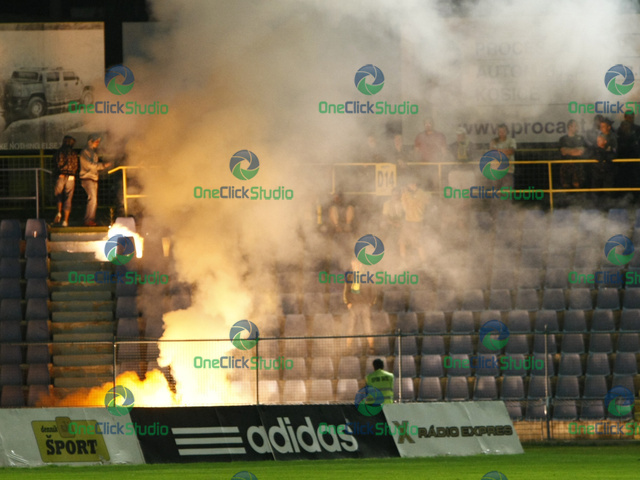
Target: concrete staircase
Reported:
[(81, 311)]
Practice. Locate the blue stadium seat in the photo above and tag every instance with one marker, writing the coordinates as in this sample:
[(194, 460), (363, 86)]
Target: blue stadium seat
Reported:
[(533, 238), (9, 248), (595, 387), (473, 300), (36, 248), (598, 364), (128, 328), (553, 299), (517, 344), (10, 309), (586, 257), (408, 394), (37, 309), (462, 322), (349, 367), (322, 368), (126, 307), (10, 229), (37, 331), (537, 388), (461, 344), (10, 268), (628, 342), (515, 366), (346, 390), (10, 354), (408, 367), (430, 390), (539, 365), (500, 300), (602, 321), (630, 320), (485, 389), (608, 298), (487, 366), (518, 322), (407, 322), (38, 354), (447, 300), (36, 268), (560, 260), (600, 343), (336, 304), (548, 319), (625, 364), (527, 299), (434, 323), (381, 346), (565, 410), (299, 370), (431, 366), (457, 389), (538, 343), (611, 278), (592, 410), (320, 391), (459, 366), (572, 343), (37, 288), (268, 391), (35, 227), (512, 388), (409, 346), (12, 396), (10, 331), (380, 323), (10, 375), (580, 299), (625, 381), (10, 288), (631, 298), (295, 325), (570, 365), (433, 345), (574, 322), (38, 374)]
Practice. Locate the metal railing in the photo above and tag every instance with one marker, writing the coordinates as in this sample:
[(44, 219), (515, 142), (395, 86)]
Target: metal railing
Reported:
[(37, 190), (125, 193)]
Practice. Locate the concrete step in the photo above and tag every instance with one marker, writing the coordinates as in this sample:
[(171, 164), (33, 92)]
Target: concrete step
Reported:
[(89, 246), (81, 382), (71, 317), (79, 235), (82, 371), (82, 306), (82, 360), (90, 296), (68, 349), (78, 265), (83, 337), (82, 327), (82, 275), (64, 256), (56, 286)]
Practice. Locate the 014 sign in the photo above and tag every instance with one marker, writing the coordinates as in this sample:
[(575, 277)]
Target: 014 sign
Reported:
[(385, 178)]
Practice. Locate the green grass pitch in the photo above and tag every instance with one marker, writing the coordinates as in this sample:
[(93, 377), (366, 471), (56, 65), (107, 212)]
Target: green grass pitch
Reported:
[(600, 462)]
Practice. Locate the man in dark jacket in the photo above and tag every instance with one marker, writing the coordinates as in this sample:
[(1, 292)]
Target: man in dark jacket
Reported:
[(66, 163)]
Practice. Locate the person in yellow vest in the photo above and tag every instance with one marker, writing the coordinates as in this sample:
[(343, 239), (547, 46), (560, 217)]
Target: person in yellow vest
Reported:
[(382, 380)]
